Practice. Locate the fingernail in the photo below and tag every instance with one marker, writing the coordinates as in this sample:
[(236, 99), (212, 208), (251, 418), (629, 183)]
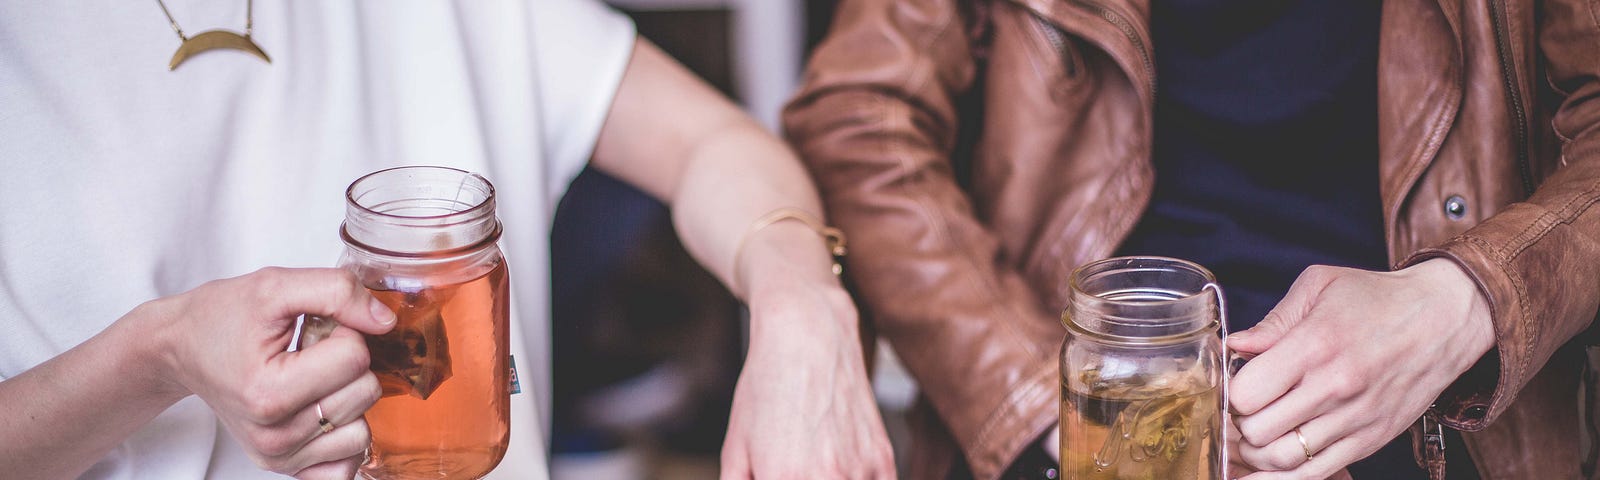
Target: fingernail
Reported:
[(382, 313), (1240, 335)]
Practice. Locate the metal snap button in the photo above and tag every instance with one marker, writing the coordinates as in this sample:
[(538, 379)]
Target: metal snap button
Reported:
[(1455, 207)]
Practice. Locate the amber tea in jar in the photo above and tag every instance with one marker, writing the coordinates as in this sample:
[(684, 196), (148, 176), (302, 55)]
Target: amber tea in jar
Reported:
[(1141, 376), (424, 241)]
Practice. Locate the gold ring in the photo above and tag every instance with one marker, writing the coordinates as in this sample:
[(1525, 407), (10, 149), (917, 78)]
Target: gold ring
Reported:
[(327, 425), (1304, 447)]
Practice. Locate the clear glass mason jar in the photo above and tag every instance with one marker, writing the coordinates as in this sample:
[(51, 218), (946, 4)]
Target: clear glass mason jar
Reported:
[(423, 240), (1142, 372)]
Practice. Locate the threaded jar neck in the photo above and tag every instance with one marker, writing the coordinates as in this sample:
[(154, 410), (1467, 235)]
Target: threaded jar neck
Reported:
[(1142, 300), (420, 211)]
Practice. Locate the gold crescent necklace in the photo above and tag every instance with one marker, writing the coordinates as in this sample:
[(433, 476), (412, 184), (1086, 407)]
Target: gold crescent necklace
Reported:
[(214, 39)]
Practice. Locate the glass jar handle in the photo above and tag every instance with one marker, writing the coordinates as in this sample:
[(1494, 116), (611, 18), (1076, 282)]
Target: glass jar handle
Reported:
[(1235, 361), (309, 330)]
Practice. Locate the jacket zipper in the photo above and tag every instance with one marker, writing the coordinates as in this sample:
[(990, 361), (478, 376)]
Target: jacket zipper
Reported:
[(1058, 41), (1519, 120), (1133, 36)]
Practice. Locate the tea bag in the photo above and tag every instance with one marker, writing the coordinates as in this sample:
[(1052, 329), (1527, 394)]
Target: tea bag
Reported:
[(1157, 422), (414, 358)]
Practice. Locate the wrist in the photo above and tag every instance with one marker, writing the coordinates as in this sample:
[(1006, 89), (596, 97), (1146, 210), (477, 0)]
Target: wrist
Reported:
[(1476, 324), (144, 338), (781, 256)]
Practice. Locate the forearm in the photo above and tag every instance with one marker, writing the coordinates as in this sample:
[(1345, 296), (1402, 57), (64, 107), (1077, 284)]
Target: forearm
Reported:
[(63, 415), (672, 136), (729, 185), (875, 124), (1534, 260)]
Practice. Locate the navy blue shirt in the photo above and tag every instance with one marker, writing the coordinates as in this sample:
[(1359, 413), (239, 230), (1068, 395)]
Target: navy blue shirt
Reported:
[(1266, 153)]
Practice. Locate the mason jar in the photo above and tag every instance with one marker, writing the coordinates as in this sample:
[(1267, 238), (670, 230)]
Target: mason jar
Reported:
[(424, 241), (1141, 372)]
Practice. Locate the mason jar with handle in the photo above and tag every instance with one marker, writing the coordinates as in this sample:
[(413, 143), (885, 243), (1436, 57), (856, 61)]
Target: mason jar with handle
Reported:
[(1142, 372), (423, 240)]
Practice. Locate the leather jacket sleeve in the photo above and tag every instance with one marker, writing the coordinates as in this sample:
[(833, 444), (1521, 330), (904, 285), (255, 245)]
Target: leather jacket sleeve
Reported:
[(1538, 262), (876, 123)]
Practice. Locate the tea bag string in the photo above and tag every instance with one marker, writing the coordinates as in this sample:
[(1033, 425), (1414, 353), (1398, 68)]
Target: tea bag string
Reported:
[(455, 201), (1227, 373)]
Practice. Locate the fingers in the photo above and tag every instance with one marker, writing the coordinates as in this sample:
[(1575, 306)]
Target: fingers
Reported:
[(1284, 316), (341, 408), (343, 469), (296, 432), (1234, 463), (1326, 463), (325, 292), (1283, 452), (1287, 452), (302, 377), (1285, 352), (338, 446), (1293, 409)]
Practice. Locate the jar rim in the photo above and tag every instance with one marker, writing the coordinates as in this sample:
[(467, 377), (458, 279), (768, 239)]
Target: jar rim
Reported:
[(1127, 306), (420, 211), (489, 240), (468, 213)]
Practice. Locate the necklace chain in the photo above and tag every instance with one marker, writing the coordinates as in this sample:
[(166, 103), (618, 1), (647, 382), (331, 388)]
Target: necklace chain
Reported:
[(249, 19)]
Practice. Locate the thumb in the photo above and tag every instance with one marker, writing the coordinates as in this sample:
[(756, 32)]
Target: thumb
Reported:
[(328, 293), (1286, 315), (1262, 336)]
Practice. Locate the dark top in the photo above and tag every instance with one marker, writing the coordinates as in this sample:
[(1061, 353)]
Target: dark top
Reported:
[(1266, 153)]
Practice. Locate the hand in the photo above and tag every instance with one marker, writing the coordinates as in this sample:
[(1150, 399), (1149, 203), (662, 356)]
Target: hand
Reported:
[(1236, 469), (226, 342), (803, 407), (1350, 358)]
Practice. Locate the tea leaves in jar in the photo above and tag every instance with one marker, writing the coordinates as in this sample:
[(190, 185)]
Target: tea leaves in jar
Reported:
[(1139, 427)]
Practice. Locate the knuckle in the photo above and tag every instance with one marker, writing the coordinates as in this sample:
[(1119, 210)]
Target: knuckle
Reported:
[(342, 287), (269, 283), (1319, 272), (1253, 433), (1283, 460), (270, 443), (1344, 384), (1267, 459), (264, 405), (359, 439), (370, 392), (274, 465), (1244, 404), (353, 358)]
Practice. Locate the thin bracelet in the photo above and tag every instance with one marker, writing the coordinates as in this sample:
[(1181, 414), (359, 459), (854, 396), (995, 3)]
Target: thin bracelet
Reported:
[(832, 236)]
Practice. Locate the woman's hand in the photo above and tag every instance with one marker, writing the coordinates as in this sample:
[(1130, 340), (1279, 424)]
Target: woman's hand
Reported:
[(1348, 360), (804, 407), (227, 339)]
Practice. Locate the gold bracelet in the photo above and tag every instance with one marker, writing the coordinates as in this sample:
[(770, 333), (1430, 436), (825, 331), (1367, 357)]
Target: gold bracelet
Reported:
[(830, 235)]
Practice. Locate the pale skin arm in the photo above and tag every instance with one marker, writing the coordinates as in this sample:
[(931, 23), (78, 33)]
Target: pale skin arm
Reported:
[(803, 407), (223, 341)]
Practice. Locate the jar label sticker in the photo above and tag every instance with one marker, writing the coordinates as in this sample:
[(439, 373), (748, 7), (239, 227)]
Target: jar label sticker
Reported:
[(516, 385)]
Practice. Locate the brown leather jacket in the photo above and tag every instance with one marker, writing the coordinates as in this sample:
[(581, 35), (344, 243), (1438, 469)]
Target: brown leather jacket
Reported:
[(960, 256)]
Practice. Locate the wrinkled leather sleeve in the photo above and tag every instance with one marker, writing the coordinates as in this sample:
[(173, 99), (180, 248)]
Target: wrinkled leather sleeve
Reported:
[(876, 122), (1538, 262)]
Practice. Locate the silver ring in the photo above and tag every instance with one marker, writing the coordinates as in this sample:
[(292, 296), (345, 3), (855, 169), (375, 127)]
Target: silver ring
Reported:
[(327, 425), (1304, 447)]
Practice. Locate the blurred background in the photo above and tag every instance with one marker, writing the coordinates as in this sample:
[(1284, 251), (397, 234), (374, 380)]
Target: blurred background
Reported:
[(647, 345)]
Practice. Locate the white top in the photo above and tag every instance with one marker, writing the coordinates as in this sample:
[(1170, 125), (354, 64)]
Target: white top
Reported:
[(121, 182)]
